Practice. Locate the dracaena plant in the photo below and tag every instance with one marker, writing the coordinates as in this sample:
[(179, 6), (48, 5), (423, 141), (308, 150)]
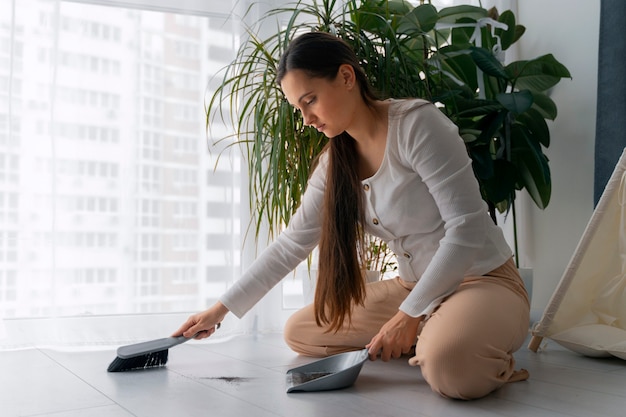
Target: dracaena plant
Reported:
[(279, 148)]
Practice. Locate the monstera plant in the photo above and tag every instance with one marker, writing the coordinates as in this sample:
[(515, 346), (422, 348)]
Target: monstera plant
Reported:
[(501, 110), (453, 57)]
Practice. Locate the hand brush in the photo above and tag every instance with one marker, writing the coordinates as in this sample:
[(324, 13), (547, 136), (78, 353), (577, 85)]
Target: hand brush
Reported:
[(150, 354)]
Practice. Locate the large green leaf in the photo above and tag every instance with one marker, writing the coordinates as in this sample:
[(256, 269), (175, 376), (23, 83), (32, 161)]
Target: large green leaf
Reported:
[(545, 106), (488, 63), (500, 187), (516, 102), (538, 74), (454, 13), (380, 17), (395, 7), (532, 166), (513, 32), (536, 125), (456, 63), (476, 107), (373, 23), (420, 20), (537, 82), (491, 125)]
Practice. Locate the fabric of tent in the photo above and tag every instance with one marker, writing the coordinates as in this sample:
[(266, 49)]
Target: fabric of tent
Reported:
[(587, 312)]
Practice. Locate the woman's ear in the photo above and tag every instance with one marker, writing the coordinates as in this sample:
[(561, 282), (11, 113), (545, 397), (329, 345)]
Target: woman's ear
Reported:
[(347, 75)]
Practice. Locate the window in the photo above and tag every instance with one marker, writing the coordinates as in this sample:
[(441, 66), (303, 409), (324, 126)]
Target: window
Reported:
[(107, 218)]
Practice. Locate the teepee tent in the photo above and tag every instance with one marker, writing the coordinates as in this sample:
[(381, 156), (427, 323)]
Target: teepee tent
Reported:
[(587, 312)]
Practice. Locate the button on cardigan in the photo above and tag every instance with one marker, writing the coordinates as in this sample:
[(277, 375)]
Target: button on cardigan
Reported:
[(423, 201)]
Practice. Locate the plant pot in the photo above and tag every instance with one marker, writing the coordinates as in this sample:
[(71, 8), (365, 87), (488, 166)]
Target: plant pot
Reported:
[(527, 277)]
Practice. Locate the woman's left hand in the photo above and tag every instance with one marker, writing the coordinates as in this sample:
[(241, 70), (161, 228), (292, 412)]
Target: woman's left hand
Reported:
[(396, 337)]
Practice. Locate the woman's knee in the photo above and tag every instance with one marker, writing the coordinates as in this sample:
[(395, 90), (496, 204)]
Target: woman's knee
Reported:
[(300, 333), (292, 333), (463, 372)]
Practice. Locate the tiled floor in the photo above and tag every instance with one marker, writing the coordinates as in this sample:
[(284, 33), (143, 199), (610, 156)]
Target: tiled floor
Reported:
[(245, 376)]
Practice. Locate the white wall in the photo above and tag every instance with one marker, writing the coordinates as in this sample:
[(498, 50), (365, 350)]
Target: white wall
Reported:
[(568, 29)]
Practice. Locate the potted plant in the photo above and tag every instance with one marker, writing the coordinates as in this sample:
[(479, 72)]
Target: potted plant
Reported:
[(449, 57)]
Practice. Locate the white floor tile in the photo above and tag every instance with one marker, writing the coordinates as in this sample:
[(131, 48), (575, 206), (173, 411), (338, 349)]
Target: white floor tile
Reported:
[(31, 383)]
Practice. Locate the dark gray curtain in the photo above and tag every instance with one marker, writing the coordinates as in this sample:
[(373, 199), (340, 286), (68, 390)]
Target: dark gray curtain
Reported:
[(611, 110)]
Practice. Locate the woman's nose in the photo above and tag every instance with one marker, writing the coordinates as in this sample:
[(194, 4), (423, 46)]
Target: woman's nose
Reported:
[(307, 118)]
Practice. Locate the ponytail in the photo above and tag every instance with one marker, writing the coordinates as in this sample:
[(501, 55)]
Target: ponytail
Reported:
[(340, 282)]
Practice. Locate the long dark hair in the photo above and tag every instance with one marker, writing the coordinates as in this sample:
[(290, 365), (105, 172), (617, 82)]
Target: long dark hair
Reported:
[(340, 282)]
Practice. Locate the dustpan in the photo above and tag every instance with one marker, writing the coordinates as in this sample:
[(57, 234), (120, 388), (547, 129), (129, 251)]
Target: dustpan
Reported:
[(335, 372)]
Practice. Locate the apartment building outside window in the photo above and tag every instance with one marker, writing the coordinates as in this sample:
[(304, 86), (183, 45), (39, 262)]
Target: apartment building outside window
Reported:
[(103, 156)]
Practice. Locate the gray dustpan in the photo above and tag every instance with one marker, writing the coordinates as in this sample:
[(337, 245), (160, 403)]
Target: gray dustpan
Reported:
[(335, 372)]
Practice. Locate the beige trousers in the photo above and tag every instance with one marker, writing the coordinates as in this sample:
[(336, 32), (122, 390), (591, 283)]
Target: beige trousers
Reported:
[(465, 347)]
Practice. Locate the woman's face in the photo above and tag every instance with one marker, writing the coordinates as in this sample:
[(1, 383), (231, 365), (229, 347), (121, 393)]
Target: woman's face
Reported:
[(325, 104)]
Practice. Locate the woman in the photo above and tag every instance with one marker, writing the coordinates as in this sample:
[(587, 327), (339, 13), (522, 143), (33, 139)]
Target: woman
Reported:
[(396, 169)]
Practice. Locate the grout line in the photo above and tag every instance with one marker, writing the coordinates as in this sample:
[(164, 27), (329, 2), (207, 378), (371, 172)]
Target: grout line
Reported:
[(47, 414), (85, 382)]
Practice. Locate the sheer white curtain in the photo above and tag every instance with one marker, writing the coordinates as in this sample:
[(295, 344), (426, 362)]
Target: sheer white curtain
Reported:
[(115, 221)]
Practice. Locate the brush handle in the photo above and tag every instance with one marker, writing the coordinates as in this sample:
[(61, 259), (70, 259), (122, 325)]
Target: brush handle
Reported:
[(151, 346)]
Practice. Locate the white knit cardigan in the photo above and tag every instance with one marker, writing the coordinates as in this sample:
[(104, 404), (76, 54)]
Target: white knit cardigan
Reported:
[(424, 201)]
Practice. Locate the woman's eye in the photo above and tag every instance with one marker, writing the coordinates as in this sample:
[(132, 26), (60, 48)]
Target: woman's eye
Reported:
[(310, 101)]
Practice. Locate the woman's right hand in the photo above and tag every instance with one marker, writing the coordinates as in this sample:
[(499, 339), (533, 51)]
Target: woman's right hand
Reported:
[(203, 324)]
